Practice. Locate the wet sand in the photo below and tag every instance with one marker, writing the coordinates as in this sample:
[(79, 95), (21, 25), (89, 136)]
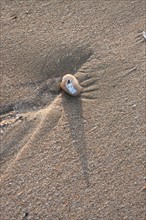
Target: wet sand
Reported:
[(63, 157)]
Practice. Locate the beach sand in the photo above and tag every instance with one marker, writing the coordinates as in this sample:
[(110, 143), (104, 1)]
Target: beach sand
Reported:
[(63, 157)]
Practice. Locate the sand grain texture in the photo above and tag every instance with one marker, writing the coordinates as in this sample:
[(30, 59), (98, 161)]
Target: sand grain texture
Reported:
[(62, 157)]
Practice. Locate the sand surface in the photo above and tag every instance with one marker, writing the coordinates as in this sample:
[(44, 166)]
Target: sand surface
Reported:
[(65, 158)]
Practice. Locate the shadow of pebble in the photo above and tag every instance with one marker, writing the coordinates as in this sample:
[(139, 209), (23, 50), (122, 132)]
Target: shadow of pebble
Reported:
[(73, 111)]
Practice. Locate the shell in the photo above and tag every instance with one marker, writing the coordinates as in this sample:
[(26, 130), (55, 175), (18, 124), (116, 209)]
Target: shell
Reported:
[(70, 85)]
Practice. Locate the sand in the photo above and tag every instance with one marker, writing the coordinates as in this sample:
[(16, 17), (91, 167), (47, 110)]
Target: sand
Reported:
[(63, 157)]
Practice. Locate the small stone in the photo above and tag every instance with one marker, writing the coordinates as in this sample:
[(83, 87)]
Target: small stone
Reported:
[(70, 85)]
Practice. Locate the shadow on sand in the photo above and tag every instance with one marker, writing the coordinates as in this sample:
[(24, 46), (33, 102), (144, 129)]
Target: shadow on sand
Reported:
[(73, 110)]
